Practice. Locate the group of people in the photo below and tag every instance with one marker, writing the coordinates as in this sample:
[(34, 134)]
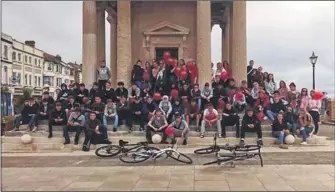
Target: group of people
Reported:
[(158, 99)]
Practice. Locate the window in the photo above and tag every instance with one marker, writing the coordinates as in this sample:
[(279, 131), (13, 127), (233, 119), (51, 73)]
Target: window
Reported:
[(26, 59), (18, 78), (35, 61), (35, 78), (30, 80), (14, 56), (29, 60), (49, 67), (19, 56), (5, 52), (39, 62), (58, 82), (66, 81), (26, 79), (39, 81), (5, 75)]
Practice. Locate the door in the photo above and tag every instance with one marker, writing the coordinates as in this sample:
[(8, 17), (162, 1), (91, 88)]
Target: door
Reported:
[(160, 52)]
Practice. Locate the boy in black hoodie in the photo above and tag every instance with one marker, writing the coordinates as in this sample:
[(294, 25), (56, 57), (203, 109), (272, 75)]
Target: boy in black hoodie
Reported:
[(29, 116), (64, 93), (57, 117), (137, 74), (136, 113), (70, 105), (120, 91), (81, 93), (44, 110), (47, 97), (230, 117), (250, 123), (109, 93), (95, 91), (124, 112)]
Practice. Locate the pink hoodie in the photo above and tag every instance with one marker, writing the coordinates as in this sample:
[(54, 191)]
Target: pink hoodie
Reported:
[(304, 102)]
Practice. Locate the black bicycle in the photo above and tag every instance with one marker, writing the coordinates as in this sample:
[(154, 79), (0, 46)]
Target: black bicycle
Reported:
[(212, 149), (123, 147), (238, 153)]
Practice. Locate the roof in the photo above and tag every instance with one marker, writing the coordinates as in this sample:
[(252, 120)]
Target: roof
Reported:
[(77, 67)]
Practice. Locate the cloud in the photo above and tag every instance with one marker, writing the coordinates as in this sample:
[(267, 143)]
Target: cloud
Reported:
[(281, 35)]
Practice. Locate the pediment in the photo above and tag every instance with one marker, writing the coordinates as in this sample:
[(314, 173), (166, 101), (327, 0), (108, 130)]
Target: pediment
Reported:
[(166, 28)]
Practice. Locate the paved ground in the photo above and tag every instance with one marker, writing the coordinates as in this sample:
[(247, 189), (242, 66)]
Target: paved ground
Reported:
[(171, 178), (328, 131)]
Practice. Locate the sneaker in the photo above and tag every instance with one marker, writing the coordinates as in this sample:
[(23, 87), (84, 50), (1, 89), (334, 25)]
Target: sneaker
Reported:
[(66, 142), (141, 129), (197, 129), (224, 136), (220, 136), (50, 135), (237, 136), (242, 143), (76, 143), (15, 129), (85, 149), (260, 142), (114, 130), (303, 143), (265, 118), (185, 142), (129, 131), (34, 129), (202, 136), (283, 146)]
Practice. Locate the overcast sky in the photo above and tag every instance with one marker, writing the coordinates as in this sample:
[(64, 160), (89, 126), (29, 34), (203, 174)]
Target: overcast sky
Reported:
[(281, 35)]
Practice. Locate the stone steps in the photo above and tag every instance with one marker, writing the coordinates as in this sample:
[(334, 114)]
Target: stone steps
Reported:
[(43, 144)]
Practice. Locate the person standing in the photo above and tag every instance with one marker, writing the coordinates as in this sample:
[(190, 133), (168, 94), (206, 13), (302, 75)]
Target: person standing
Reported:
[(314, 107), (103, 75)]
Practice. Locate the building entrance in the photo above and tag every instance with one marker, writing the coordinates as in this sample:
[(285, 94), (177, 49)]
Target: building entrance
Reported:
[(160, 52)]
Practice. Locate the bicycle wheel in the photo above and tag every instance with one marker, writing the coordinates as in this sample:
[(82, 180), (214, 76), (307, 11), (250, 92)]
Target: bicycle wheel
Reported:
[(212, 162), (207, 150), (181, 157), (107, 151), (138, 156), (248, 148)]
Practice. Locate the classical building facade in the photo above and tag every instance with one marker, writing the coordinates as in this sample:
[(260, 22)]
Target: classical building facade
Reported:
[(144, 29), (6, 59)]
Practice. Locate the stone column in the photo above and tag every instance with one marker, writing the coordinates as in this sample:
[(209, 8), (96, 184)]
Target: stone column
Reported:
[(231, 34), (101, 40), (204, 41), (225, 43), (113, 51), (239, 55), (89, 54), (124, 41)]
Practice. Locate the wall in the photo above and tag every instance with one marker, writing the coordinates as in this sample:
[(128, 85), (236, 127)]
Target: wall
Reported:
[(148, 13)]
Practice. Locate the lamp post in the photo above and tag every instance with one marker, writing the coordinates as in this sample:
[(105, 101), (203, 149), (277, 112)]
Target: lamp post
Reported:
[(313, 60)]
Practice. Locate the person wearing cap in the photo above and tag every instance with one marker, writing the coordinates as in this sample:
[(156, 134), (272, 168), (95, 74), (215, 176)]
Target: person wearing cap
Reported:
[(103, 75), (250, 123), (206, 95), (181, 128), (28, 116), (210, 118), (81, 93), (193, 113), (121, 91), (75, 123), (123, 111), (133, 92), (230, 88), (185, 92), (229, 118), (57, 117), (70, 105), (109, 93), (110, 114), (136, 113), (157, 123)]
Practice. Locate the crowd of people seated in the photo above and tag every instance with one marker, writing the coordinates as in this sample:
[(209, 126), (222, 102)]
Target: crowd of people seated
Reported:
[(158, 98)]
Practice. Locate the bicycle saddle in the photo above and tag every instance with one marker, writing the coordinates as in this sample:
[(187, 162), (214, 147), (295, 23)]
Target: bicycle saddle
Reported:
[(122, 143)]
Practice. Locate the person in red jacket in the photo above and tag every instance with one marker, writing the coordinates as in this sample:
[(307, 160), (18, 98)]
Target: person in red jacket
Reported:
[(261, 105)]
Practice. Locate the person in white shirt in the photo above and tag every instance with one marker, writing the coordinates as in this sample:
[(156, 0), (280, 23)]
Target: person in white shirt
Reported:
[(210, 118), (219, 70)]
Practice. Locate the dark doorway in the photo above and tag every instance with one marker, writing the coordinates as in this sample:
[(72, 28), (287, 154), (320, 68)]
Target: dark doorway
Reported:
[(160, 52)]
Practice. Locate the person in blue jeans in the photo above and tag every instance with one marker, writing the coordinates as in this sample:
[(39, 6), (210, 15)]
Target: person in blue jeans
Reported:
[(306, 126), (280, 130), (28, 116), (291, 120), (275, 108), (75, 123), (110, 115)]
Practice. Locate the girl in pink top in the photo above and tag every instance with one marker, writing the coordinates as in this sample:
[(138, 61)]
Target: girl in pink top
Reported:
[(283, 91), (304, 98)]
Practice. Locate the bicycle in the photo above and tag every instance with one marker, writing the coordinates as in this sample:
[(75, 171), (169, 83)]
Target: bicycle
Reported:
[(140, 155), (123, 147), (212, 149), (236, 156)]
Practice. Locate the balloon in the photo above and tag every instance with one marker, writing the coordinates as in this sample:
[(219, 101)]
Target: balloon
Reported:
[(177, 71), (157, 96), (174, 93), (211, 116), (169, 131), (221, 104), (190, 65), (183, 75), (146, 76), (239, 95), (224, 75), (317, 95), (260, 116), (167, 55), (231, 92), (170, 61)]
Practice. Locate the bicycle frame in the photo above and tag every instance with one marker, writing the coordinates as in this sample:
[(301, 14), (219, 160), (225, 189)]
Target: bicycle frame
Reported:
[(156, 154)]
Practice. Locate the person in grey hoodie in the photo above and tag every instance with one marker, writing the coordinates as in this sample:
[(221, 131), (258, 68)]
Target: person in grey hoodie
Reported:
[(165, 106), (75, 123), (103, 75)]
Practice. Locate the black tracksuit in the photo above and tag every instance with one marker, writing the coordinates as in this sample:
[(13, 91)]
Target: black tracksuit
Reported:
[(136, 107), (109, 94), (100, 107), (232, 119), (251, 120), (137, 73), (45, 109), (95, 92), (89, 129), (27, 111), (119, 92), (85, 93), (57, 115), (276, 107), (217, 94), (123, 112)]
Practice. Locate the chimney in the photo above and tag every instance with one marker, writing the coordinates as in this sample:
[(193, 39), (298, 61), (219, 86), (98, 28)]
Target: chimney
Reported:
[(59, 57), (30, 43)]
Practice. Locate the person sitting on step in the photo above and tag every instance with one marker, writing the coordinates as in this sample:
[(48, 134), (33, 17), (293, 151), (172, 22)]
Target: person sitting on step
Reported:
[(210, 118), (193, 113), (108, 93), (250, 123), (165, 106), (70, 105), (75, 123), (121, 91), (157, 123), (123, 112), (110, 114), (306, 124), (148, 109), (181, 128), (280, 130), (136, 113), (44, 110), (81, 93), (28, 116), (98, 107), (229, 118), (94, 128), (177, 108), (57, 117), (275, 108), (133, 92)]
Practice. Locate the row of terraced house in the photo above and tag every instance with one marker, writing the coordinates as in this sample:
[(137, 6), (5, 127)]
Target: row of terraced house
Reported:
[(23, 65)]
